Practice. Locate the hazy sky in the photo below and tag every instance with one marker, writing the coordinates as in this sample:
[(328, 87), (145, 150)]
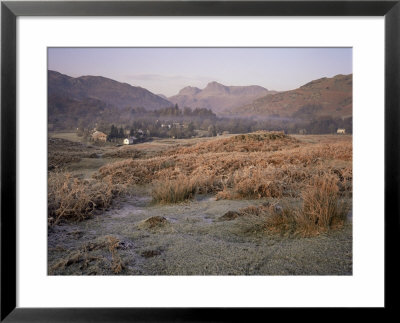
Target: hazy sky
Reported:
[(167, 70)]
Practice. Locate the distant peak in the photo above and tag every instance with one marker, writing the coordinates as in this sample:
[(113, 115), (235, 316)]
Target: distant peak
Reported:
[(189, 90), (215, 86)]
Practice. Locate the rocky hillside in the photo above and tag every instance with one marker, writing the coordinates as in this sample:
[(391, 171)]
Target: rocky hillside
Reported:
[(218, 97), (323, 97), (110, 92)]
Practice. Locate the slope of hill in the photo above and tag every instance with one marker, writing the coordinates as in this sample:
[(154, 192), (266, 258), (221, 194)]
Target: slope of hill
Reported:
[(218, 97), (104, 89), (323, 97), (162, 96)]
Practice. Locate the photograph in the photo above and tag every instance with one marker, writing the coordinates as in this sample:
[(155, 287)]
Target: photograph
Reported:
[(199, 161)]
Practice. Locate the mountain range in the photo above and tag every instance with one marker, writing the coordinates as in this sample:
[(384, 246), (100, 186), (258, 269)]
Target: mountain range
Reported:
[(96, 98)]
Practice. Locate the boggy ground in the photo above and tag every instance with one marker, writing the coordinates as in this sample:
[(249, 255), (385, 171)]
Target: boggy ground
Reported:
[(190, 239), (199, 236)]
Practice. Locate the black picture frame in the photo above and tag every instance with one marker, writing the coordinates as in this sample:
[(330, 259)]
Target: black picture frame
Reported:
[(10, 10)]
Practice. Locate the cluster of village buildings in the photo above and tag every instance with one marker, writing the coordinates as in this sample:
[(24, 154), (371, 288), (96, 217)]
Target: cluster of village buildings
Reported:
[(98, 136)]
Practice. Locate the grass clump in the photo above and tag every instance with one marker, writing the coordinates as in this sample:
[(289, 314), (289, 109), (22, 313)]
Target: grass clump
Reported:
[(283, 221), (173, 191), (321, 210), (113, 244), (253, 182), (90, 254), (71, 198)]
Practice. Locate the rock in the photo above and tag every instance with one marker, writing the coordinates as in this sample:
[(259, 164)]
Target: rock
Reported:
[(150, 253), (278, 209), (228, 216), (154, 221), (124, 245)]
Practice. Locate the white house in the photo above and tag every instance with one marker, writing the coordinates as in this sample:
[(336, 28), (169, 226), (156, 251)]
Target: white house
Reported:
[(341, 131), (129, 141)]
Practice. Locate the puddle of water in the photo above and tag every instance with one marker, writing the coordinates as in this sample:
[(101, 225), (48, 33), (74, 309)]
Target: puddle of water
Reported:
[(205, 198)]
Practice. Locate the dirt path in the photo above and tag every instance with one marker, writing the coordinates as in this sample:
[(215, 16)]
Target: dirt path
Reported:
[(189, 239)]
